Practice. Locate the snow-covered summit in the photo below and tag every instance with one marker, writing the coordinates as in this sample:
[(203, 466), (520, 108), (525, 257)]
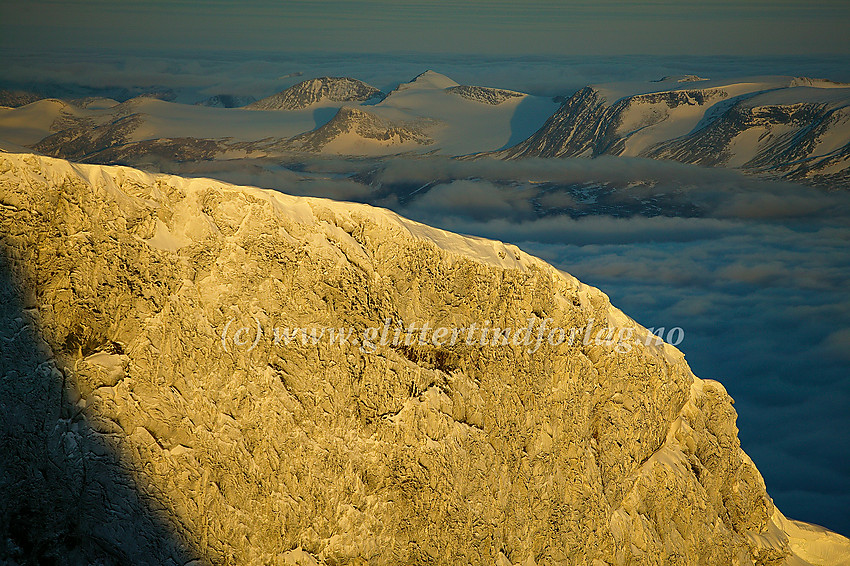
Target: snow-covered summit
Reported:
[(427, 80), (357, 131), (779, 126), (314, 91), (129, 306)]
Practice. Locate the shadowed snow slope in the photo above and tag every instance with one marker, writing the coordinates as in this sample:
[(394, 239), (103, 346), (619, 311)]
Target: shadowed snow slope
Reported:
[(144, 289)]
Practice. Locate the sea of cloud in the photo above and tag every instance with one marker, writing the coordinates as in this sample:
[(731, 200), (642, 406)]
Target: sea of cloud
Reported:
[(197, 75)]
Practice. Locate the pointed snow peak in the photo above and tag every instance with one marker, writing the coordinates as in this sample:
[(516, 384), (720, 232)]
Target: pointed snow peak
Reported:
[(430, 79)]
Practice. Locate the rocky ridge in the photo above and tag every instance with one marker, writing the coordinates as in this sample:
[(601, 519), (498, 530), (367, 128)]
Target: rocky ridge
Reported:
[(796, 130), (354, 126), (311, 91), (485, 95)]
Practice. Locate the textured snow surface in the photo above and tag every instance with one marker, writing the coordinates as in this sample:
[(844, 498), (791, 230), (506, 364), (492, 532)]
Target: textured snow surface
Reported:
[(115, 382)]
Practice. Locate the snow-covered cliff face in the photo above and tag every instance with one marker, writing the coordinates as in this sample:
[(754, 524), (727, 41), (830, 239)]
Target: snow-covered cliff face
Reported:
[(571, 131), (312, 91), (138, 428), (798, 128)]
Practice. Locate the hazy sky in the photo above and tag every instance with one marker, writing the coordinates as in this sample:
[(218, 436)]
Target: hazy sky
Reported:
[(492, 27)]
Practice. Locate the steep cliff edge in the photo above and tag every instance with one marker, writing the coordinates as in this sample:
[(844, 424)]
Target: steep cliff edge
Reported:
[(151, 422)]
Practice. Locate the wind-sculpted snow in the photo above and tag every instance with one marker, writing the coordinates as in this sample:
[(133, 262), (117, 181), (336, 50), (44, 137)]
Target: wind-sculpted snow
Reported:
[(579, 453)]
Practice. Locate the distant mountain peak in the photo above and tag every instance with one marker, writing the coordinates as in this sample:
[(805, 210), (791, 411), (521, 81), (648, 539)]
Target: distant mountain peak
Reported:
[(767, 127), (429, 79), (817, 83), (680, 79), (355, 125), (312, 91)]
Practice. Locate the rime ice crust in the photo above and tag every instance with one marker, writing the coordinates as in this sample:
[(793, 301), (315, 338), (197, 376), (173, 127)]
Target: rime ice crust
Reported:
[(576, 454)]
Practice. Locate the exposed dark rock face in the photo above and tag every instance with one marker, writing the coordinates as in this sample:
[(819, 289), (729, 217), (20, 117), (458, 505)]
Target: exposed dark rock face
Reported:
[(746, 131), (787, 137), (586, 125), (483, 94), (15, 98), (365, 125), (309, 92)]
